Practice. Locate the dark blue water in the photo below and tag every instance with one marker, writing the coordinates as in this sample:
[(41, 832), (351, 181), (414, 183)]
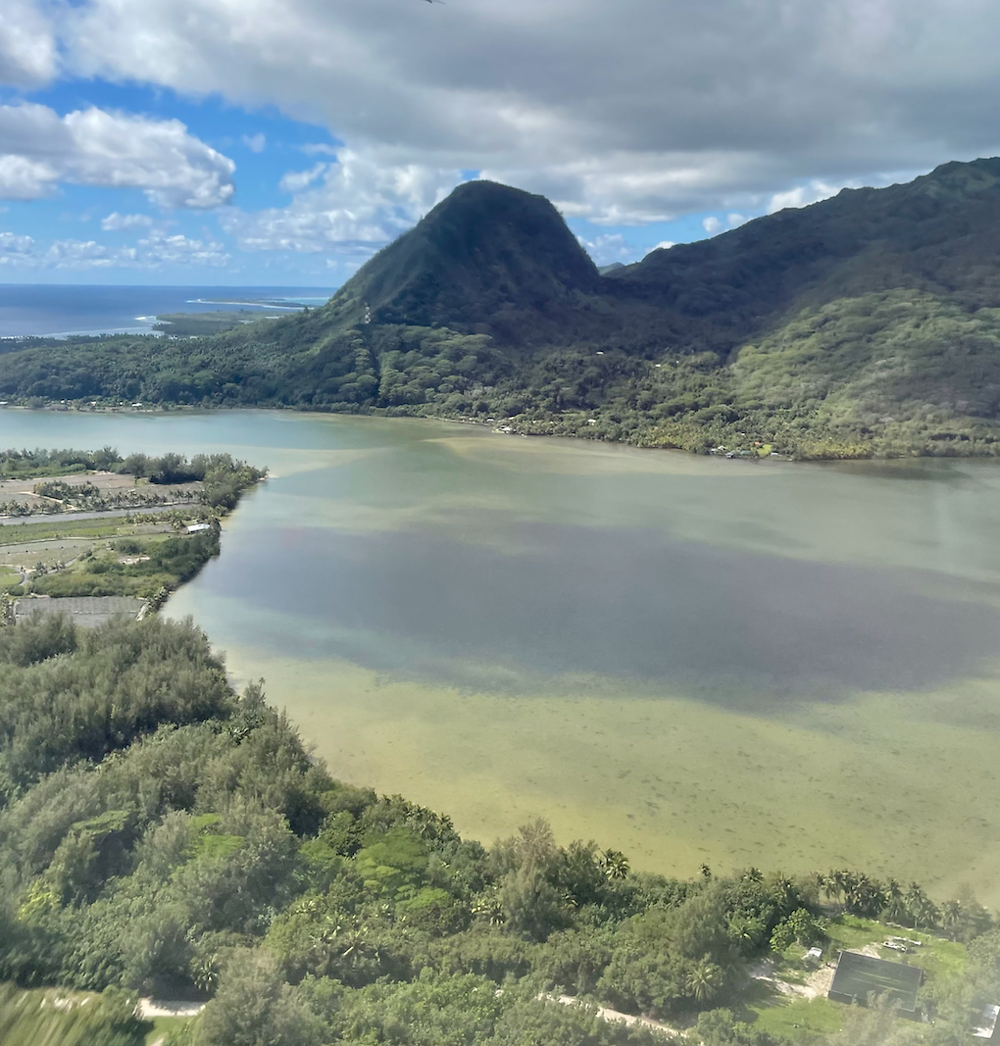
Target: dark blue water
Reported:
[(59, 310)]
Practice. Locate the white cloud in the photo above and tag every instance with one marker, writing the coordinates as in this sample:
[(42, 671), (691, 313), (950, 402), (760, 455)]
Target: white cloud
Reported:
[(713, 224), (80, 254), (39, 149), (115, 222), (159, 249), (664, 245), (802, 196), (156, 251), (24, 179), (361, 203), (27, 45), (15, 249), (608, 248), (256, 143), (296, 181), (698, 107)]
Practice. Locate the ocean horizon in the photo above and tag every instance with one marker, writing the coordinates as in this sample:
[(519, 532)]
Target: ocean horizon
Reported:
[(65, 310)]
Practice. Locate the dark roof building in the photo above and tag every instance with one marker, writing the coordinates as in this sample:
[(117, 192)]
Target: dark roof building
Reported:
[(858, 976)]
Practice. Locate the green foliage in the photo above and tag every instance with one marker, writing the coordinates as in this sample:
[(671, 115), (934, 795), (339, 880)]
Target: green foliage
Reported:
[(68, 695), (163, 564), (721, 1028), (192, 324), (863, 325), (255, 1007), (35, 464)]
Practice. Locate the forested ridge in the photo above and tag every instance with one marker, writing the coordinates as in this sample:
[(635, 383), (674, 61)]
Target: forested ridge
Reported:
[(160, 833), (863, 325)]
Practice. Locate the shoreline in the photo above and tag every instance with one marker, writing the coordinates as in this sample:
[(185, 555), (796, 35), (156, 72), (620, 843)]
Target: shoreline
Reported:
[(388, 413)]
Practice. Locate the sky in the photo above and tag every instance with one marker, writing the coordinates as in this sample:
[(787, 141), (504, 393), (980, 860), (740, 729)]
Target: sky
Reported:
[(282, 142)]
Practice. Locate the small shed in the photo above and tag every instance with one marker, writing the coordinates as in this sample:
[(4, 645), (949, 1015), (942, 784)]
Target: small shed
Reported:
[(859, 976)]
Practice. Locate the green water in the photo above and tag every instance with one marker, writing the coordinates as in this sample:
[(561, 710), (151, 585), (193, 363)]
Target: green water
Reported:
[(689, 659)]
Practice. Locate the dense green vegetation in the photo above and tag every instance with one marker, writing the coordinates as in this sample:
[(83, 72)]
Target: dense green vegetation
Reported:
[(221, 479), (36, 464), (159, 833), (866, 324)]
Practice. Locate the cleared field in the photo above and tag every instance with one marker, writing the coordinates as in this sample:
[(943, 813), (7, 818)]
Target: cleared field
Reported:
[(20, 492), (54, 541), (804, 1022)]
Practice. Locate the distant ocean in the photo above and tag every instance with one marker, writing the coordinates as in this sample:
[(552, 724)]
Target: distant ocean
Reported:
[(61, 310)]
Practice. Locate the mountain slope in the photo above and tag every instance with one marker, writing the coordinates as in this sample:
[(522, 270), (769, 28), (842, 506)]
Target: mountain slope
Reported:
[(936, 234), (865, 324), (488, 259)]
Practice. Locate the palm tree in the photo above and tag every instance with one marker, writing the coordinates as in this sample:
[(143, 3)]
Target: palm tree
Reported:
[(895, 910), (951, 916), (615, 864), (833, 885), (704, 979), (783, 891), (921, 909)]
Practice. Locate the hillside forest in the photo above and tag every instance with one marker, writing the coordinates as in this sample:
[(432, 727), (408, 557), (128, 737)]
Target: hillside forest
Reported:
[(864, 325)]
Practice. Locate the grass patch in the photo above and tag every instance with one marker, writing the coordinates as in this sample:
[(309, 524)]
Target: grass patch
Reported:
[(163, 1026), (22, 533), (937, 957), (163, 563), (804, 1022)]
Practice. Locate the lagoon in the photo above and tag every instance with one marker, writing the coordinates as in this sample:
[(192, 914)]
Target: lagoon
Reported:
[(689, 659)]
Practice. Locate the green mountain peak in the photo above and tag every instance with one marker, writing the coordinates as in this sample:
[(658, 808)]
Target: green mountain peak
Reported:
[(481, 258)]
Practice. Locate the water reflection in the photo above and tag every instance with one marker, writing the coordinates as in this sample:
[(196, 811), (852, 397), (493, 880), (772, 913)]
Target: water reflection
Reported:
[(627, 603)]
